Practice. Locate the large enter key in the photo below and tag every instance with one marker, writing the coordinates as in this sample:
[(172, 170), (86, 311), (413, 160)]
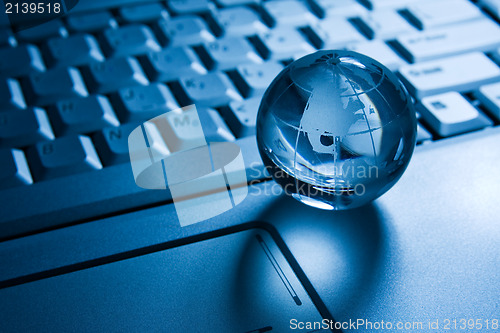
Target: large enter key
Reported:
[(460, 73)]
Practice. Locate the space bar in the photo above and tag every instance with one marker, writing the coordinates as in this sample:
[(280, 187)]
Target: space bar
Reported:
[(80, 197)]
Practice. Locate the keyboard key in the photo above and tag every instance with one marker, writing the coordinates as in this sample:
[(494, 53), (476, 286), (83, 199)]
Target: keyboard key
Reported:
[(55, 84), (394, 4), (181, 7), (214, 127), (114, 74), (450, 114), (241, 116), (171, 63), (19, 128), (184, 30), (384, 24), (112, 144), (143, 13), (282, 43), (333, 33), (287, 13), (379, 51), (489, 96), (14, 169), (428, 14), (129, 40), (422, 134), (82, 115), (460, 73), (493, 6), (229, 3), (240, 21), (53, 28), (229, 52), (75, 50), (91, 22), (253, 79), (11, 96), (481, 35), (143, 102), (212, 89), (20, 60), (180, 130), (7, 38), (344, 8), (62, 157)]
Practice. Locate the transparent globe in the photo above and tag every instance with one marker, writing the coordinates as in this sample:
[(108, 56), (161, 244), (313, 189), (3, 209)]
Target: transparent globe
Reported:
[(336, 129)]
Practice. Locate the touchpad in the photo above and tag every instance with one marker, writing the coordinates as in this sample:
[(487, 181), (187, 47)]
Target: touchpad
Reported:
[(238, 282)]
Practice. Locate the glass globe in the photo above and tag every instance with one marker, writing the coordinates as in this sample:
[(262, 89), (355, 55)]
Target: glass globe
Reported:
[(336, 129)]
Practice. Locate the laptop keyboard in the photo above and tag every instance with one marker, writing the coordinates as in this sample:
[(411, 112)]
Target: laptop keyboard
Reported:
[(72, 89)]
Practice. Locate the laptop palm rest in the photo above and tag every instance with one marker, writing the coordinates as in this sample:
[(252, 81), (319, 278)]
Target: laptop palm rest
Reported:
[(238, 282)]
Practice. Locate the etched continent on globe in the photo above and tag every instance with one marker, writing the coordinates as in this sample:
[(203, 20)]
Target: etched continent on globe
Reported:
[(336, 128)]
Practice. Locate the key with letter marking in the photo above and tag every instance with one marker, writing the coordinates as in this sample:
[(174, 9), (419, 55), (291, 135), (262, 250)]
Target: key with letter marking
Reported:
[(63, 157), (450, 113), (342, 8), (143, 102), (379, 51), (129, 40), (91, 22), (384, 24), (19, 128), (212, 89), (75, 50), (143, 13), (460, 73), (82, 115), (55, 84), (428, 14), (282, 43), (335, 32), (227, 53), (241, 116), (240, 21), (14, 169), (479, 35), (253, 79), (184, 30), (112, 144), (287, 13), (113, 74), (171, 63), (20, 60)]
